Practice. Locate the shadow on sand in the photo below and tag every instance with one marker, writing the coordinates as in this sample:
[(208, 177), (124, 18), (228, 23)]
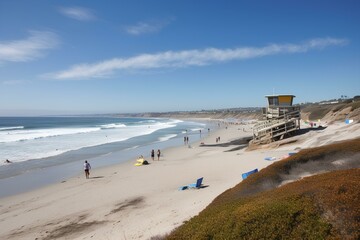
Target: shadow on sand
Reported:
[(97, 177), (306, 130), (236, 142)]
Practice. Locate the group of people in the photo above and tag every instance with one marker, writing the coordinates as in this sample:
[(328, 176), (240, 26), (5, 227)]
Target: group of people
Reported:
[(158, 153), (87, 165)]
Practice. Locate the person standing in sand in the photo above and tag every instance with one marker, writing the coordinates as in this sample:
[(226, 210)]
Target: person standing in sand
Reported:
[(158, 154), (87, 168), (152, 154)]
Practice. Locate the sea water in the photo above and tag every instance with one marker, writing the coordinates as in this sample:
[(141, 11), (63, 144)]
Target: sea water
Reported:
[(40, 147)]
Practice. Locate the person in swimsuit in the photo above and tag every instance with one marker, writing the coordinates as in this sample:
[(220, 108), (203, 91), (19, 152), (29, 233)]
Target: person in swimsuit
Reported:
[(152, 154)]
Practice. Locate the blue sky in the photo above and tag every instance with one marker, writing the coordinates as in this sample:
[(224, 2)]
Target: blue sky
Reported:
[(70, 57)]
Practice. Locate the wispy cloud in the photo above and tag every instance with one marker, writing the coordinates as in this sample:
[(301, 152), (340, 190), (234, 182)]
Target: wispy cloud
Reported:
[(179, 59), (78, 13), (28, 49), (146, 27), (15, 82)]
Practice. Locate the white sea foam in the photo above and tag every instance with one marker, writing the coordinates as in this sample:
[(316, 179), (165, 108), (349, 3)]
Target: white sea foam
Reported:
[(23, 135), (112, 125), (130, 148), (10, 128), (20, 144), (147, 121), (167, 137), (196, 129)]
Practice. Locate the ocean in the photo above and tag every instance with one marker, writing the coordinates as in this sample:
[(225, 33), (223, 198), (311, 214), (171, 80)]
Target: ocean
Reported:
[(39, 146)]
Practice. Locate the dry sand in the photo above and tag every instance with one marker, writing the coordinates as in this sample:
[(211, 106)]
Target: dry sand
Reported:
[(128, 202)]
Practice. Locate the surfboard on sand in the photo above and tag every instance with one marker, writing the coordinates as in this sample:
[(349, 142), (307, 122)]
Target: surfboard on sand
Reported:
[(141, 162)]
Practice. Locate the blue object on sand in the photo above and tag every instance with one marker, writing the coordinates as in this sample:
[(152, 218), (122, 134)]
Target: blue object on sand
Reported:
[(245, 175), (270, 158), (291, 153), (193, 185)]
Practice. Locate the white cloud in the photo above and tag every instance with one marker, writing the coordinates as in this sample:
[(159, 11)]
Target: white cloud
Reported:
[(78, 13), (173, 59), (28, 49), (15, 82), (146, 27)]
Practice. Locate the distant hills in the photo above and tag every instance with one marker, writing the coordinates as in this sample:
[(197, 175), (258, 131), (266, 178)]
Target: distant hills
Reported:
[(330, 111)]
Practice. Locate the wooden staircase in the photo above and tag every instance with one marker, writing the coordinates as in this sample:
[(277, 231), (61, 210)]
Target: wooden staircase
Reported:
[(276, 128)]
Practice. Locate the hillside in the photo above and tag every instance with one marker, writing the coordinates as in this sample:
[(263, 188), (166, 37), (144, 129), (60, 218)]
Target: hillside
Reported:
[(309, 112), (332, 112), (281, 202)]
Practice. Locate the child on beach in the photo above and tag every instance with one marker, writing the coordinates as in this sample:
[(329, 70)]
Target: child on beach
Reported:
[(87, 168)]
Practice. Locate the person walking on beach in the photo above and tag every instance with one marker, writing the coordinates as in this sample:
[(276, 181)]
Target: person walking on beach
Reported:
[(158, 154), (87, 168), (152, 154)]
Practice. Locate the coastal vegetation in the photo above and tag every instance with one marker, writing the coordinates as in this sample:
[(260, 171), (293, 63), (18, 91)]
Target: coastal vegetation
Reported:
[(332, 112), (313, 194), (329, 110)]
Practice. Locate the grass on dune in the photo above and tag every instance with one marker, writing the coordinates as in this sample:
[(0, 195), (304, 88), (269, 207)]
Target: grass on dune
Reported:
[(322, 206)]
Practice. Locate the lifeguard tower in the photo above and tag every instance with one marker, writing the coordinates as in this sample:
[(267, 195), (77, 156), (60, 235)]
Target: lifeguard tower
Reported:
[(280, 118)]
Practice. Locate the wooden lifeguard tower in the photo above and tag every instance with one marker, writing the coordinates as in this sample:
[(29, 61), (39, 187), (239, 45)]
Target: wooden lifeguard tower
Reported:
[(280, 118)]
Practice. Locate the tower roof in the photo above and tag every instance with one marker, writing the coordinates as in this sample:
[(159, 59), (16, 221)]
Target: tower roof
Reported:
[(280, 95)]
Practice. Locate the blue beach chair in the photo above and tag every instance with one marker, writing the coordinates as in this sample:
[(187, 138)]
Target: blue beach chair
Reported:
[(245, 175), (193, 185)]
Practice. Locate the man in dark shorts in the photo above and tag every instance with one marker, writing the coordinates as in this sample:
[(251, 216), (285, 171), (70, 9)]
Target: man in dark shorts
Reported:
[(152, 154), (87, 168)]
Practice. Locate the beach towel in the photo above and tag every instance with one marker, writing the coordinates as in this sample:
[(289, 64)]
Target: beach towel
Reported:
[(245, 175)]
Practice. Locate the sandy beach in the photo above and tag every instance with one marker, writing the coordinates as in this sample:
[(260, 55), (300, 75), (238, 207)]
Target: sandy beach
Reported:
[(128, 202)]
